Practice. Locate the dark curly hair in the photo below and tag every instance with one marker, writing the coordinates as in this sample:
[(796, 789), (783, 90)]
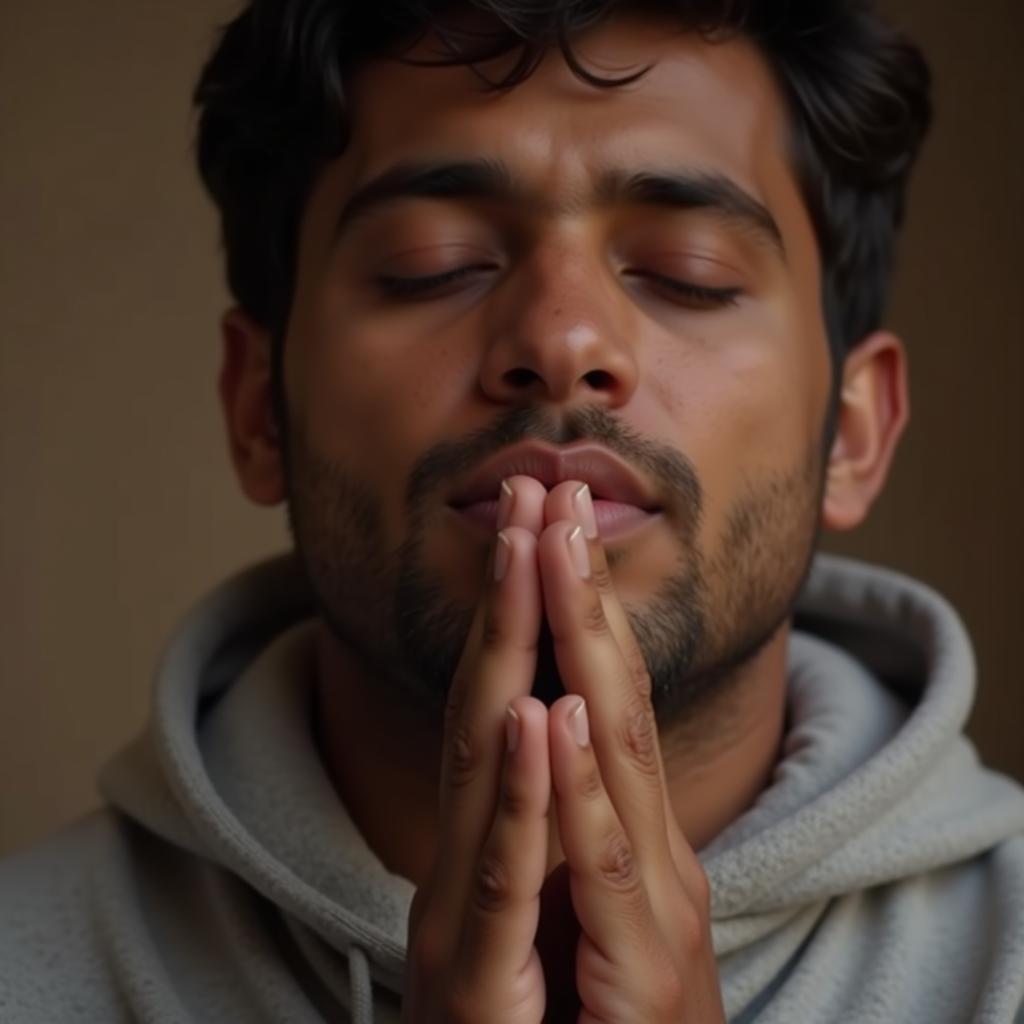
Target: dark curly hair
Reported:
[(272, 111)]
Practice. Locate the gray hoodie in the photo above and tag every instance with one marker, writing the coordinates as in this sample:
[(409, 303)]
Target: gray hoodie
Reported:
[(879, 878)]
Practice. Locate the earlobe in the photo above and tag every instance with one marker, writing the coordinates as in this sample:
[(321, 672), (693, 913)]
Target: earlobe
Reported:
[(246, 394), (873, 411)]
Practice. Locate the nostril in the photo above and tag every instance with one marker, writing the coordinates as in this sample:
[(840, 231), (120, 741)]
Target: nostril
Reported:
[(599, 380), (520, 377)]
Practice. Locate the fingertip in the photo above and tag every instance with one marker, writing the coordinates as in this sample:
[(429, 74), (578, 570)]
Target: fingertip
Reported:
[(579, 723), (559, 503), (513, 729), (571, 751), (566, 576), (514, 548), (502, 556), (526, 747), (528, 709), (569, 718), (530, 722), (520, 537), (526, 508)]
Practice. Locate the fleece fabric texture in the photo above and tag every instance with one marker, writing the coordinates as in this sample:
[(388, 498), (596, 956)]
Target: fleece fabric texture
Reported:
[(879, 879)]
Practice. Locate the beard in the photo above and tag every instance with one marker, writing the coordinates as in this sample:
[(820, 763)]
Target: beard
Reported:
[(712, 614)]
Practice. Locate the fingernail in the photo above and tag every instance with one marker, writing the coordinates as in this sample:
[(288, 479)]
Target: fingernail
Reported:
[(578, 552), (502, 557), (580, 724), (512, 726), (506, 499), (584, 506)]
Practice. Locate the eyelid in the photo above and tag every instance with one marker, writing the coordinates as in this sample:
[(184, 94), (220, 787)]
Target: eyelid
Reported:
[(412, 285), (712, 295), (433, 248), (428, 286), (694, 257)]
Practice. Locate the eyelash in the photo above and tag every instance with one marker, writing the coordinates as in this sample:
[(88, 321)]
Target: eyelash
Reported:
[(714, 297), (403, 287), (412, 287)]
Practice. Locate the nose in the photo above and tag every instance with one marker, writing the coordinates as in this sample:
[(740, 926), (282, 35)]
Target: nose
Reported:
[(558, 333)]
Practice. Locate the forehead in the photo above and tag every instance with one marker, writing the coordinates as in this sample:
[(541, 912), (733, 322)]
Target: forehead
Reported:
[(714, 107)]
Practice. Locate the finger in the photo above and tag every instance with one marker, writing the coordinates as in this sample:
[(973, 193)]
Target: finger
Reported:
[(572, 500), (591, 664), (609, 892), (497, 665), (499, 668), (502, 637), (521, 503), (500, 925), (646, 943)]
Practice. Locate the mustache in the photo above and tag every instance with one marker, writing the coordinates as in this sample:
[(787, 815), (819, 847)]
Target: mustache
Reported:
[(671, 470)]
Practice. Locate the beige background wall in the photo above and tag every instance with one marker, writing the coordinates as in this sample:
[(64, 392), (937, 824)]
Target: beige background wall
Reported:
[(118, 504)]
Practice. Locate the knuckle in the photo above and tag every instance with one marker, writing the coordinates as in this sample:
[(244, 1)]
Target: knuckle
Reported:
[(464, 755), (589, 785), (689, 932), (617, 865), (500, 634), (513, 800), (639, 736), (493, 888), (638, 672), (602, 578), (494, 633), (594, 621)]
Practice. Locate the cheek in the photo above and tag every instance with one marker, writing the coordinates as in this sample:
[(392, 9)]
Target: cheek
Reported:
[(375, 397), (745, 403), (772, 383)]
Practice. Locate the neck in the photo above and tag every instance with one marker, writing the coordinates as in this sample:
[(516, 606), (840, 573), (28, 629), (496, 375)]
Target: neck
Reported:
[(384, 759), (719, 760)]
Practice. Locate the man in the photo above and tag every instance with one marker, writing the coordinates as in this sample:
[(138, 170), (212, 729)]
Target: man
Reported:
[(558, 329)]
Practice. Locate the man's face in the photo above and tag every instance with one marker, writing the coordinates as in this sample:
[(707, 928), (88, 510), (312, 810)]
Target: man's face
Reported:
[(686, 337)]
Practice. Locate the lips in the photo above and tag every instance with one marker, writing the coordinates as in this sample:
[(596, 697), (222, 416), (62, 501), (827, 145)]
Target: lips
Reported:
[(621, 500)]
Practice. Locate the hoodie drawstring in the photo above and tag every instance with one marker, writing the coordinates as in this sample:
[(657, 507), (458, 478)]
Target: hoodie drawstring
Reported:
[(361, 987)]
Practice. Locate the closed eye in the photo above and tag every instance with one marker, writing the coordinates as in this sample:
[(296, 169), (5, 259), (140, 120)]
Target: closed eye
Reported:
[(410, 287), (700, 296), (696, 295)]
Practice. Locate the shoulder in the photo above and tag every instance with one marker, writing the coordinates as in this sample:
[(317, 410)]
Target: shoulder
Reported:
[(52, 963), (952, 939)]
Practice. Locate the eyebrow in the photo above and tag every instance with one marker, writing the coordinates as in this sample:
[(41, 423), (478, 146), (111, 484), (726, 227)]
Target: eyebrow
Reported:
[(487, 179)]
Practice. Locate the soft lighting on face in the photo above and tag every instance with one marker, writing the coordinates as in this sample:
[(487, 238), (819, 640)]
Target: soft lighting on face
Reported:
[(580, 336)]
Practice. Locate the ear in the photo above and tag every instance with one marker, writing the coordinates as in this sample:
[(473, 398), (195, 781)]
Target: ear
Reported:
[(247, 400), (873, 411)]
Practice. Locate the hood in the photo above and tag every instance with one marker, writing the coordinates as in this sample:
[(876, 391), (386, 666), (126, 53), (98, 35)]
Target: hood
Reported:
[(876, 782)]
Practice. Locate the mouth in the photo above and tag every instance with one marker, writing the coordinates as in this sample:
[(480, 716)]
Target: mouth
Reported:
[(622, 501)]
